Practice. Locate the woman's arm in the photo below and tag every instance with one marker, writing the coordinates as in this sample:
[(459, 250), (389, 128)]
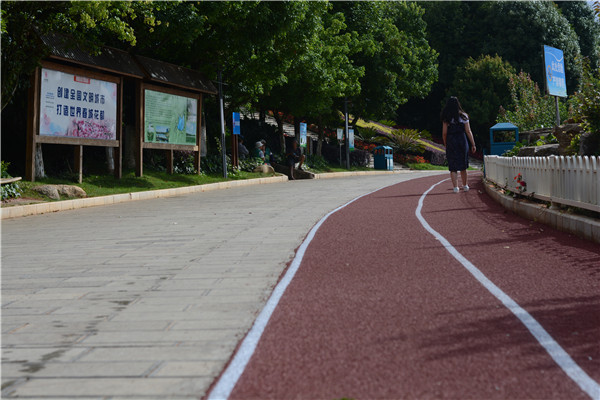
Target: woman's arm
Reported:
[(470, 137), (444, 131)]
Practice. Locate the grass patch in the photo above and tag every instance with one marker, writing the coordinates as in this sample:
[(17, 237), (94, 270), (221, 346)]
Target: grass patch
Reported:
[(104, 185)]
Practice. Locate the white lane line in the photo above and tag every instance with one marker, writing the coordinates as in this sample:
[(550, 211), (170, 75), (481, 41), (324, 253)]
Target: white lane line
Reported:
[(561, 357), (232, 374)]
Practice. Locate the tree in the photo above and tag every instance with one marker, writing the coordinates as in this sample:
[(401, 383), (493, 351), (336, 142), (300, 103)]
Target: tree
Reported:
[(513, 30), (391, 46), (320, 73), (587, 27), (85, 22), (521, 28), (482, 87)]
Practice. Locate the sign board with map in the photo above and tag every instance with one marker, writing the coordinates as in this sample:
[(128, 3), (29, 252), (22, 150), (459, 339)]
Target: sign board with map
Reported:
[(170, 118)]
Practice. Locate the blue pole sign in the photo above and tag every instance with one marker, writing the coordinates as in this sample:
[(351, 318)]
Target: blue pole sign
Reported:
[(554, 66), (236, 123), (351, 139), (303, 134)]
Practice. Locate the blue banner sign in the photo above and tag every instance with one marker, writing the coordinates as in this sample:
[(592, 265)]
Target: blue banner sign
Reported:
[(303, 134), (554, 65), (236, 123), (351, 139)]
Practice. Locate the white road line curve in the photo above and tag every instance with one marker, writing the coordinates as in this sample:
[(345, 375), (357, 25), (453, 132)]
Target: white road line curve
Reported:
[(558, 354), (228, 380)]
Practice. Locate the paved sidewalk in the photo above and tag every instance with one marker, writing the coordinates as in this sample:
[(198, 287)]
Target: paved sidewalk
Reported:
[(148, 299)]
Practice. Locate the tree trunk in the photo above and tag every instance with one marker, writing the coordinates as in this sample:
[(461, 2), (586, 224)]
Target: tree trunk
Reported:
[(279, 121), (39, 162), (321, 137), (356, 118), (129, 147), (110, 159)]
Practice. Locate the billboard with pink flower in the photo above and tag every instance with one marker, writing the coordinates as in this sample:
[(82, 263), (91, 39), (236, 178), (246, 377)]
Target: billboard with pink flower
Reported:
[(77, 106)]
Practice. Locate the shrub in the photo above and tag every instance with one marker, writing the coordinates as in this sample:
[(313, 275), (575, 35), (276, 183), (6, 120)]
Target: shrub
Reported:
[(405, 141), (585, 103), (183, 162), (10, 190), (359, 158), (529, 109)]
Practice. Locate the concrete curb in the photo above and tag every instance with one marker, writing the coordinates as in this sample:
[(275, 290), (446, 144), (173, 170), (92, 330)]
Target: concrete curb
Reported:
[(584, 227), (43, 208)]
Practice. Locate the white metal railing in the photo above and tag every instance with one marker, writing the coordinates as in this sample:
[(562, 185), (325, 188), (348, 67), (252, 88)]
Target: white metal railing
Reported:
[(572, 181)]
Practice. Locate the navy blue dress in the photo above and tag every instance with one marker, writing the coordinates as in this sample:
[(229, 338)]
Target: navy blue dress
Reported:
[(457, 146)]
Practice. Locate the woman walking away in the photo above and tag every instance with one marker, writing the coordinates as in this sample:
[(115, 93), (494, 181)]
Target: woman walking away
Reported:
[(455, 131)]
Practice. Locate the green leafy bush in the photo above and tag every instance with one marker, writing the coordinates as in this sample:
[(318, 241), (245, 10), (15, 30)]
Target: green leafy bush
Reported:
[(585, 103), (529, 109), (317, 162), (10, 190), (405, 141)]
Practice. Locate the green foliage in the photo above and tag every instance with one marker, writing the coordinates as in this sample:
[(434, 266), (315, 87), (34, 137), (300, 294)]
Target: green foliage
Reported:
[(482, 87), (317, 162), (88, 23), (388, 122), (391, 47), (404, 141), (548, 139), (586, 25), (514, 151), (529, 109), (10, 190), (183, 162), (585, 103), (366, 134), (249, 164)]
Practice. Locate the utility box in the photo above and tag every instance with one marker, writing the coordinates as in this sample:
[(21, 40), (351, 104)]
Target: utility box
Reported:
[(383, 158)]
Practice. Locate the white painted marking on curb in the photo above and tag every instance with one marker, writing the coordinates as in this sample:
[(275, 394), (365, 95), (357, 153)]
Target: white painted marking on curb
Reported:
[(560, 356), (232, 374)]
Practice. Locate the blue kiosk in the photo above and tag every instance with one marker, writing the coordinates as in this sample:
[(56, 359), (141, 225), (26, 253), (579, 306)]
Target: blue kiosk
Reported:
[(497, 148)]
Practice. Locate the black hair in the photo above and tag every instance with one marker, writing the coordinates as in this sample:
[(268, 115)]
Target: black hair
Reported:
[(453, 111)]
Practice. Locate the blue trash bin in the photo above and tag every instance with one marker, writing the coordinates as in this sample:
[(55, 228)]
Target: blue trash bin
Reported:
[(383, 158)]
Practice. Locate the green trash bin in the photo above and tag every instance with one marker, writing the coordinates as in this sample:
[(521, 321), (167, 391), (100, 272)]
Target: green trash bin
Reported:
[(383, 158)]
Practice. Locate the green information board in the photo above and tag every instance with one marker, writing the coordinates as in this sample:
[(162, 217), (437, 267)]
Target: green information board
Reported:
[(169, 118)]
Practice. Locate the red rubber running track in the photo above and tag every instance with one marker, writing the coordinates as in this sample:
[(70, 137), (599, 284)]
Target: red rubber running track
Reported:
[(379, 309)]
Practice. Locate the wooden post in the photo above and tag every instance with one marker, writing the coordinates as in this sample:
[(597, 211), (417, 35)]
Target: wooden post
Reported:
[(32, 125), (118, 151), (198, 135), (234, 151), (79, 163), (139, 128)]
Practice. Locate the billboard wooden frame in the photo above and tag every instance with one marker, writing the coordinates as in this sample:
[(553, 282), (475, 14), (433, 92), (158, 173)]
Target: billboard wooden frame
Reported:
[(33, 127), (167, 147)]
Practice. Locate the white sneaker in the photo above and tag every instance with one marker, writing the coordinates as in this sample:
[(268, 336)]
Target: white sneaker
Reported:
[(466, 188), (455, 190)]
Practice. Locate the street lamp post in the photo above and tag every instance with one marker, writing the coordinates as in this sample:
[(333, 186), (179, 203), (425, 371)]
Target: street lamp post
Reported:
[(346, 135), (223, 144)]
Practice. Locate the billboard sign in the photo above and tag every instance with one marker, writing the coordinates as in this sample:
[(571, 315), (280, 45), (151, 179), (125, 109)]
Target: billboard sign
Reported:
[(554, 66), (236, 123), (169, 118), (77, 106), (303, 134)]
